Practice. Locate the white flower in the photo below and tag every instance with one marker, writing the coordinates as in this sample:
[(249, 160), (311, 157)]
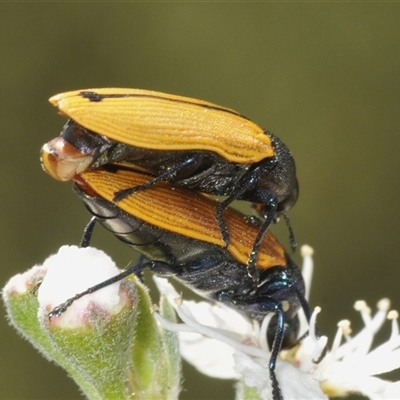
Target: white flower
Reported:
[(353, 366), (221, 343), (208, 340)]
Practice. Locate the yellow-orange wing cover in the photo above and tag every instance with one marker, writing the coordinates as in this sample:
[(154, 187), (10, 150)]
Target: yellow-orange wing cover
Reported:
[(185, 212), (160, 121)]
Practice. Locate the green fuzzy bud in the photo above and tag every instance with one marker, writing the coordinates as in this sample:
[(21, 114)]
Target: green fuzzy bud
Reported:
[(108, 341)]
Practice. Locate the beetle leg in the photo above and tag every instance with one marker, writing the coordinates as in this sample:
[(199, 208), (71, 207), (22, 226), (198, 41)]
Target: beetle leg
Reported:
[(165, 176), (252, 262), (303, 302), (276, 347), (268, 199), (267, 305), (60, 309), (241, 188), (88, 232), (85, 242)]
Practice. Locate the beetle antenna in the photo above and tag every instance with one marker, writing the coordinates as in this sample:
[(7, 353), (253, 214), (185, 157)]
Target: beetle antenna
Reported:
[(292, 239)]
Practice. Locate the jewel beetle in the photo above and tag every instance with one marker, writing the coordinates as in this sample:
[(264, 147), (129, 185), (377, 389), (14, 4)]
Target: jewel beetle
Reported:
[(175, 229), (192, 143)]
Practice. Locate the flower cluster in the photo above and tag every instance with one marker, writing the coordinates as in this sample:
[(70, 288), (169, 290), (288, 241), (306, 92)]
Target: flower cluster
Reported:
[(138, 345), (221, 343)]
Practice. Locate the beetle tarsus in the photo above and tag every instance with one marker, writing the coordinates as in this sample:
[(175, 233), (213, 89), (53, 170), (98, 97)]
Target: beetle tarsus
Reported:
[(88, 232), (57, 311)]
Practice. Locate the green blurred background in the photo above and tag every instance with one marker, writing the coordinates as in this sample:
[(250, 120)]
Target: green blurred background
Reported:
[(325, 77)]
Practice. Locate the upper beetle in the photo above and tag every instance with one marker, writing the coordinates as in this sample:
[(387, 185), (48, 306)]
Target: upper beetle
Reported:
[(193, 143), (176, 231)]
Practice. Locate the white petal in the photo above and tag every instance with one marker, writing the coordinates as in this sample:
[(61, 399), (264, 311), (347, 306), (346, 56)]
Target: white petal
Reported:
[(209, 356), (293, 383), (392, 391)]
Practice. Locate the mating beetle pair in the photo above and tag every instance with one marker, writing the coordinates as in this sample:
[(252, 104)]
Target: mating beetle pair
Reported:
[(191, 143), (200, 147), (175, 229)]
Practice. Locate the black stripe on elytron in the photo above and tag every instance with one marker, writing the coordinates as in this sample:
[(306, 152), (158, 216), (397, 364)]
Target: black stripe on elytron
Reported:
[(96, 97)]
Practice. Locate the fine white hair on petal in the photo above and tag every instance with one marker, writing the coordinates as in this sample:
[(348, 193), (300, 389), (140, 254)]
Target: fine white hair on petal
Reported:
[(73, 270)]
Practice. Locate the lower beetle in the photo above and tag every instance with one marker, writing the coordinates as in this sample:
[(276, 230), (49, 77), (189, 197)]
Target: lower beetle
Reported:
[(193, 143), (176, 230)]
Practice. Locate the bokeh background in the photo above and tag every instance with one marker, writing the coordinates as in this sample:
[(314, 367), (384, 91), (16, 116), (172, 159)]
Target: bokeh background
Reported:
[(325, 77)]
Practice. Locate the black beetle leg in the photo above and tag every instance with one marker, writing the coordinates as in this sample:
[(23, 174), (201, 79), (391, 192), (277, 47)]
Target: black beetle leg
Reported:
[(165, 176), (276, 347), (88, 232), (222, 226), (236, 194), (60, 309), (264, 306), (303, 302), (269, 217)]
